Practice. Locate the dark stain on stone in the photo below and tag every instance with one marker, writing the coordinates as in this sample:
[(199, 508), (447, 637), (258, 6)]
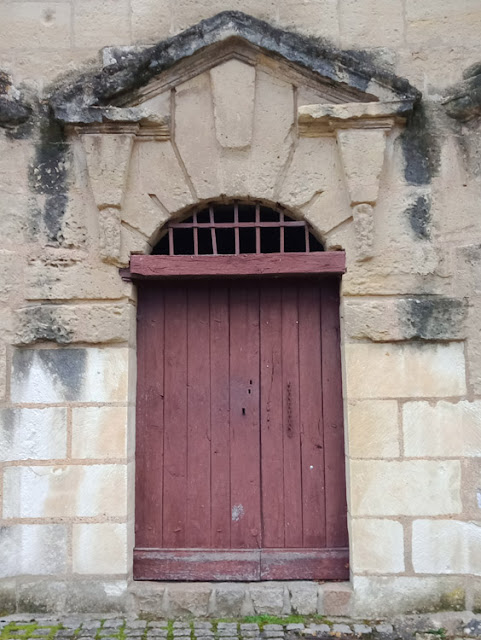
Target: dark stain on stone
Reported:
[(71, 101), (48, 176), (434, 318), (463, 101), (67, 366), (419, 215), (13, 110), (421, 149), (43, 323)]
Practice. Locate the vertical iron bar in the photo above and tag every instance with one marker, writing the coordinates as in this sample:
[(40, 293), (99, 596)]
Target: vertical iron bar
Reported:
[(307, 238), (171, 241), (212, 230), (281, 219), (236, 229), (258, 230), (196, 235)]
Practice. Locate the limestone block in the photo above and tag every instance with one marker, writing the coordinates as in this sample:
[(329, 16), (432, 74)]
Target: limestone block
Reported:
[(35, 25), (377, 546), (473, 344), (359, 28), (99, 432), (65, 491), (96, 596), (444, 429), (156, 175), (429, 318), (37, 434), (229, 598), (186, 13), (189, 599), (337, 599), (3, 370), (233, 91), (431, 22), (373, 429), (404, 370), (110, 234), (34, 549), (70, 375), (362, 154), (73, 280), (314, 17), (99, 548), (11, 272), (446, 546), (314, 170), (41, 596), (303, 597), (381, 596), (415, 487), (90, 323), (97, 24), (267, 597), (195, 135), (363, 215), (150, 20), (107, 157)]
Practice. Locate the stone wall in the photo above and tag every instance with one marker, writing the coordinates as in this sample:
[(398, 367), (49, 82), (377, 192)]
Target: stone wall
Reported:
[(401, 197)]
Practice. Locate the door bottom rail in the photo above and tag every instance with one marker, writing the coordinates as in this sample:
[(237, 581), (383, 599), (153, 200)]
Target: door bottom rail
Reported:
[(241, 564)]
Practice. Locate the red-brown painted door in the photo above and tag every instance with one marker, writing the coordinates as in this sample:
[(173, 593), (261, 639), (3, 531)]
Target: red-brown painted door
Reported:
[(240, 446)]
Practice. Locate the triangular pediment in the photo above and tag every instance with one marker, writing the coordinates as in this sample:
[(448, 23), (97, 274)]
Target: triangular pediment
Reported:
[(139, 76)]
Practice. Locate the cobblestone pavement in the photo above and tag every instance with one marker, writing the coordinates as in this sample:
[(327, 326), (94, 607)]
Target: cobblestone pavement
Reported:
[(24, 627)]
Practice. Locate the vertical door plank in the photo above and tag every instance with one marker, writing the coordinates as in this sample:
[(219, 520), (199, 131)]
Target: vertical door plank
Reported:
[(198, 418), (175, 417), (220, 426), (244, 416), (336, 509), (150, 417), (313, 500), (291, 418), (272, 451)]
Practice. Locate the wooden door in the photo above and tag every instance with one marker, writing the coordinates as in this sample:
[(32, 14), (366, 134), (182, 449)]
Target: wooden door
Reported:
[(240, 445)]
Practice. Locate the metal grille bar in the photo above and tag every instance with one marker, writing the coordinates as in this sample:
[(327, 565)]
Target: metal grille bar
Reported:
[(184, 237)]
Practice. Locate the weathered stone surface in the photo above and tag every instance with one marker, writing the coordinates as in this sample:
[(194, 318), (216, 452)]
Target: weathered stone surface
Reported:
[(65, 324), (303, 597), (101, 23), (373, 429), (233, 120), (33, 549), (360, 30), (92, 596), (66, 375), (418, 487), (66, 281), (41, 596), (406, 319), (267, 598), (99, 548), (37, 434), (229, 599), (373, 595), (99, 432), (377, 546), (446, 546), (410, 370), (337, 599), (35, 24), (443, 429), (189, 599), (65, 491)]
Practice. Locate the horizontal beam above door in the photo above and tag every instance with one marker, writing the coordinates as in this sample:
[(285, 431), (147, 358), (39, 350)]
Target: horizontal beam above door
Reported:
[(266, 264)]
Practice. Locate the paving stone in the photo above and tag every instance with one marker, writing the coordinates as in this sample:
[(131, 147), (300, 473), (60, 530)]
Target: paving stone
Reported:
[(249, 626), (273, 627), (359, 629), (41, 632), (384, 628), (135, 633), (204, 632), (320, 628), (158, 624), (157, 633), (199, 637), (115, 622), (250, 634), (341, 628), (136, 624), (273, 634), (295, 627), (473, 628), (181, 625)]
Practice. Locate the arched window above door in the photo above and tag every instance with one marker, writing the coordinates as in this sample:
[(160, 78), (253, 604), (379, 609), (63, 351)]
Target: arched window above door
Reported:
[(237, 228)]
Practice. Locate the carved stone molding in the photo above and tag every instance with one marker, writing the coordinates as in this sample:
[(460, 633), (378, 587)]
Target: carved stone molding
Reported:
[(360, 130)]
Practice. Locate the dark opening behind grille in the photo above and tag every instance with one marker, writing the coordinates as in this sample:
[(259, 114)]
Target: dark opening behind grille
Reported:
[(234, 229)]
